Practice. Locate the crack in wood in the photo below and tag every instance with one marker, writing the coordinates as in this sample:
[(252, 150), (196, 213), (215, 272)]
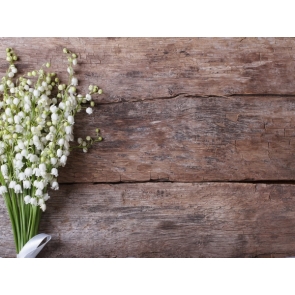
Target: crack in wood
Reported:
[(291, 182), (187, 95)]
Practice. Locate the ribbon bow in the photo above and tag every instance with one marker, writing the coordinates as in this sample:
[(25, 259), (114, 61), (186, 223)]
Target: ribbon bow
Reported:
[(33, 247)]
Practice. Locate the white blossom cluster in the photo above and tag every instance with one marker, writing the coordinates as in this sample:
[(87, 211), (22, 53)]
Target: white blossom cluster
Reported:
[(37, 116)]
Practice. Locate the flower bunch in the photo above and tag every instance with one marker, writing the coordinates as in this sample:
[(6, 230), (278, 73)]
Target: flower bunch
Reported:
[(37, 116)]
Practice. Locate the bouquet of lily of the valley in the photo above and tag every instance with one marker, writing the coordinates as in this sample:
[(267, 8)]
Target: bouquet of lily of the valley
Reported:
[(37, 116)]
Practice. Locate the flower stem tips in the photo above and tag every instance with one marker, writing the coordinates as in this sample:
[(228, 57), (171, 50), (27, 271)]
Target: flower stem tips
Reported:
[(37, 117)]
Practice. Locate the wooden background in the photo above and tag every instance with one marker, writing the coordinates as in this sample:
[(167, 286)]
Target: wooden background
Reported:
[(198, 154)]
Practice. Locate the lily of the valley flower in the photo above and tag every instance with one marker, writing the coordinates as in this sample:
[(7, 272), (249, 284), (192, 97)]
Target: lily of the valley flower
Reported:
[(37, 118)]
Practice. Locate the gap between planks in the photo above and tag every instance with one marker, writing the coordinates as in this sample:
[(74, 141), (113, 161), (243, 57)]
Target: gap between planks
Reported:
[(133, 99), (291, 182)]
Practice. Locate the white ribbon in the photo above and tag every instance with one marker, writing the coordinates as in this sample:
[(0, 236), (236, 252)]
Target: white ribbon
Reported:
[(33, 247)]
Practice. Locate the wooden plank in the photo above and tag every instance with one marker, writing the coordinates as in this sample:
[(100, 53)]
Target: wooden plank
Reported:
[(188, 139), (166, 220), (141, 68)]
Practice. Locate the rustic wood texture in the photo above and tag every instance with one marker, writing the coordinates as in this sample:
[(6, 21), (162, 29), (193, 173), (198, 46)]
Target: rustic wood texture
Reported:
[(188, 139), (146, 68), (166, 220), (184, 111)]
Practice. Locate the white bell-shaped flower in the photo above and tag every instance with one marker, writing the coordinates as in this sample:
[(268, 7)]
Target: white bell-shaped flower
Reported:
[(3, 190), (37, 172), (17, 189), (55, 185), (63, 160), (27, 199), (59, 153), (4, 169), (69, 129), (42, 167), (74, 81), (71, 120), (28, 172), (54, 172), (36, 93), (12, 184), (33, 201), (38, 192), (46, 197), (27, 184), (53, 161), (21, 176)]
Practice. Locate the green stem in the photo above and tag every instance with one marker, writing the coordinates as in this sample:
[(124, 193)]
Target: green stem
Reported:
[(25, 219), (10, 213), (16, 218)]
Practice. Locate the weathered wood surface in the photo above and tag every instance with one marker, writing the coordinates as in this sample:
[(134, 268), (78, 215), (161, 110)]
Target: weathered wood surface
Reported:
[(166, 220), (183, 110), (146, 68), (188, 139)]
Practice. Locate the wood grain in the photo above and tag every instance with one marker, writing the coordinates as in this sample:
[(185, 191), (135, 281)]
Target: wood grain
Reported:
[(178, 116), (188, 139), (140, 68), (166, 220)]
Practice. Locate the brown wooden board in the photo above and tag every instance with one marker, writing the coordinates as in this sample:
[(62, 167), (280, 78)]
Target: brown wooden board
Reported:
[(141, 68), (190, 112), (166, 220), (188, 139)]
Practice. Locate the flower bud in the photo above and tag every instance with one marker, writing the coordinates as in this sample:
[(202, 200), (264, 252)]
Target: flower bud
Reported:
[(74, 81), (14, 69), (89, 111), (72, 89)]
